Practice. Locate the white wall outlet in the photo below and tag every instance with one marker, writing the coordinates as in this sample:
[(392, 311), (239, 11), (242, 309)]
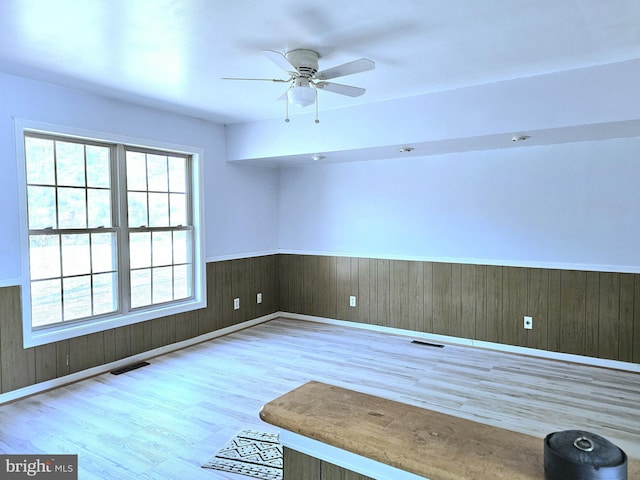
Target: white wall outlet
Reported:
[(528, 323), (352, 301), (236, 304), (259, 298)]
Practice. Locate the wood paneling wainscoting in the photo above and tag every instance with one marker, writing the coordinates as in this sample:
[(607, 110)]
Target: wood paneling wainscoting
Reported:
[(595, 314), (298, 465), (226, 280)]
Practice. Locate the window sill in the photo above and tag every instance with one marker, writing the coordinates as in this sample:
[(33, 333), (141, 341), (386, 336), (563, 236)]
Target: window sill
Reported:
[(56, 333)]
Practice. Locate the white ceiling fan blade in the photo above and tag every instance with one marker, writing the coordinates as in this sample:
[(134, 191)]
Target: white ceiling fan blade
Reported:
[(284, 95), (347, 90), (350, 68), (257, 79), (280, 60)]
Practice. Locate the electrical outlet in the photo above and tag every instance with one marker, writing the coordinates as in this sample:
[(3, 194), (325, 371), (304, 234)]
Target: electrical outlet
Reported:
[(236, 304), (259, 298), (352, 301), (528, 323)]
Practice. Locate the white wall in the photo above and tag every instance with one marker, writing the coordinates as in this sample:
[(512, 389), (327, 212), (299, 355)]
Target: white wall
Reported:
[(574, 205), (571, 205), (569, 197), (241, 202)]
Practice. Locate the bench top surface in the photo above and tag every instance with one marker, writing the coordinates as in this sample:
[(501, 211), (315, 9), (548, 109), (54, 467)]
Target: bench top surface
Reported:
[(428, 443)]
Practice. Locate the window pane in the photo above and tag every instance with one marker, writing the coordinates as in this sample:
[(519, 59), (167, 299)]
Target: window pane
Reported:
[(181, 282), (98, 166), (99, 204), (181, 247), (72, 208), (46, 302), (40, 161), (136, 171), (44, 256), (76, 255), (140, 288), (178, 210), (103, 252), (140, 250), (70, 163), (157, 173), (137, 209), (105, 297), (41, 204), (77, 297), (158, 210), (162, 285), (177, 174), (162, 249)]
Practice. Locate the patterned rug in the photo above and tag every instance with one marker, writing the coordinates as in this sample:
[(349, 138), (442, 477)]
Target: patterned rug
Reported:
[(251, 453)]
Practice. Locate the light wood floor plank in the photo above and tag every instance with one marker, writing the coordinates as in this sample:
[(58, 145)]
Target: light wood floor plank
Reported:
[(164, 420)]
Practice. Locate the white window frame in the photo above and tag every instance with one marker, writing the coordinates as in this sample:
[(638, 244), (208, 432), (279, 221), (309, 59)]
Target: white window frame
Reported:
[(41, 336)]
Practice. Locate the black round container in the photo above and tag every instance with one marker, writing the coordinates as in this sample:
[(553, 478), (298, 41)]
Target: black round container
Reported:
[(580, 455)]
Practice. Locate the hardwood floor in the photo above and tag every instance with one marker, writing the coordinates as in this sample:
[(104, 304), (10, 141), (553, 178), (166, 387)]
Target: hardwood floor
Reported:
[(164, 420)]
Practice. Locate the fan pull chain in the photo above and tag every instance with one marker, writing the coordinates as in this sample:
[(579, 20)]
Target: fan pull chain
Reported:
[(317, 121), (286, 106)]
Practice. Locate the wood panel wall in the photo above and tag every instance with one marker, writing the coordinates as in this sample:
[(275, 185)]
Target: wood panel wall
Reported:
[(596, 314), (297, 465), (226, 280)]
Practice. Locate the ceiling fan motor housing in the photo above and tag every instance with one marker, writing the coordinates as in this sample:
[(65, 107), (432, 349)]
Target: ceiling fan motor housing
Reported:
[(305, 61)]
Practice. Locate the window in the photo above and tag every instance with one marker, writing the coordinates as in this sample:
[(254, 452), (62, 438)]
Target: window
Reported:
[(113, 234)]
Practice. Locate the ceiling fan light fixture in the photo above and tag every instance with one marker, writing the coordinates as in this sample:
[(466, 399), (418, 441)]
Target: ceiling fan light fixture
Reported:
[(304, 79), (301, 94)]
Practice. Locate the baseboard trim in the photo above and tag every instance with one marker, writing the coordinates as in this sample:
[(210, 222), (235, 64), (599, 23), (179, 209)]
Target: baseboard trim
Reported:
[(144, 356), (432, 337)]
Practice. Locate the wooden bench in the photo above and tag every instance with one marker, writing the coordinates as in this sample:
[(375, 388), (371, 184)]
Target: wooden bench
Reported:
[(411, 439)]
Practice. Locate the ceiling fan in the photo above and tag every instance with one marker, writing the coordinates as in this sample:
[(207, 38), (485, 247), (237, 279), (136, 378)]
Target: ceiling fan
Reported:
[(305, 80)]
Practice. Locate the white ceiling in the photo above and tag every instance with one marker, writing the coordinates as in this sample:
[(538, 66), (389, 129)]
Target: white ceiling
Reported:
[(173, 53)]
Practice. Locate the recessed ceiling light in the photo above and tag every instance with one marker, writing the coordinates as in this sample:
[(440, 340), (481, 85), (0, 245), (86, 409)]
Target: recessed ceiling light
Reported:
[(315, 158), (520, 138), (406, 149)]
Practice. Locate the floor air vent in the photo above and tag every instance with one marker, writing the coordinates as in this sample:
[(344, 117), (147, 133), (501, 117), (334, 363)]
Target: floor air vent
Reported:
[(128, 368), (428, 344)]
